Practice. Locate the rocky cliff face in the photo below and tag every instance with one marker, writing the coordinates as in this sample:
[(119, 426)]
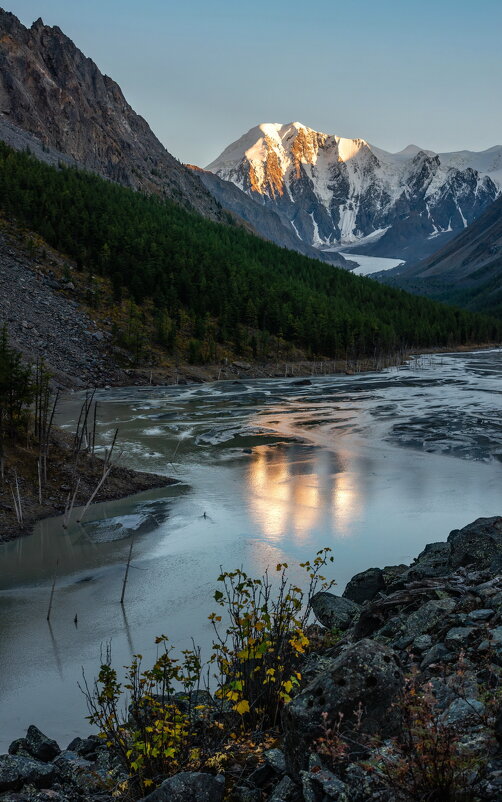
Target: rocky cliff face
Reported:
[(467, 270), (51, 90), (344, 192)]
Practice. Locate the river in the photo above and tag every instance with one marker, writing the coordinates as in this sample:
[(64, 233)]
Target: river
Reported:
[(374, 465)]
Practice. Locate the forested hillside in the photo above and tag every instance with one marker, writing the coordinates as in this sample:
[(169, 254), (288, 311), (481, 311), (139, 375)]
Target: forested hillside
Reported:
[(231, 285), (467, 271)]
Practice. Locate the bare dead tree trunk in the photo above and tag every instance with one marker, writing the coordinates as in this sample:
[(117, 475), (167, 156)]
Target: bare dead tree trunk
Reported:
[(69, 507), (39, 481), (127, 571), (93, 496), (16, 497), (107, 466), (52, 592)]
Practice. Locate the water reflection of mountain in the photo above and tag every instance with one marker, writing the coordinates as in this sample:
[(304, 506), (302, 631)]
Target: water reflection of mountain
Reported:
[(300, 488)]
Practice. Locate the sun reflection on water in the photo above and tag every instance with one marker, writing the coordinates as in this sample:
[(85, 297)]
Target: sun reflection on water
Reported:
[(297, 489)]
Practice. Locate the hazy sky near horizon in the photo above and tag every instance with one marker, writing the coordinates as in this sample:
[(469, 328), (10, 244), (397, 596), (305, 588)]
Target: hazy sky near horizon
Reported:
[(202, 72)]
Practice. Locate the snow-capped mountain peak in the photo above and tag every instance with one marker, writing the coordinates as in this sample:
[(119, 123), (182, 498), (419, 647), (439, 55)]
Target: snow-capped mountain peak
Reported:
[(336, 191)]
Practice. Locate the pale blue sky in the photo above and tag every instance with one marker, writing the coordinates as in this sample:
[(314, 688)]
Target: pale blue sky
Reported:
[(202, 72)]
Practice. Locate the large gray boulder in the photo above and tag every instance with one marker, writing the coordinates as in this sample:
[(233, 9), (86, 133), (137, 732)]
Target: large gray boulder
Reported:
[(321, 785), (40, 746), (433, 561), (17, 770), (80, 773), (478, 543), (399, 626), (334, 612), (189, 786), (365, 585), (365, 678), (423, 620), (285, 791)]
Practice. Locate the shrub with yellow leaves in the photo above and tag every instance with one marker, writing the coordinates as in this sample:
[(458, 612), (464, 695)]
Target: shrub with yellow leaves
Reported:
[(162, 720), (257, 652)]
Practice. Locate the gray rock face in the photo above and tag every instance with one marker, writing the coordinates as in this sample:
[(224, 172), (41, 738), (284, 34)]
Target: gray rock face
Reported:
[(493, 643), (422, 642), (16, 771), (57, 330), (477, 544), (190, 786), (50, 89), (365, 586), (365, 675), (333, 612), (471, 260)]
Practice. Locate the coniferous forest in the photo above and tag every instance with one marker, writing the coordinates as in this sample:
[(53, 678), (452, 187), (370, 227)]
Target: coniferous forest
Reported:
[(151, 248)]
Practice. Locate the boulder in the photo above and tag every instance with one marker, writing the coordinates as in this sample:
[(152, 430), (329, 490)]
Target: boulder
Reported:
[(478, 543), (436, 654), (433, 561), (284, 791), (364, 680), (276, 759), (392, 572), (241, 793), (423, 620), (79, 772), (463, 712), (86, 747), (261, 775), (40, 746), (493, 643), (479, 616), (365, 586), (334, 612), (422, 643), (459, 638), (322, 785), (18, 747), (16, 771), (190, 786)]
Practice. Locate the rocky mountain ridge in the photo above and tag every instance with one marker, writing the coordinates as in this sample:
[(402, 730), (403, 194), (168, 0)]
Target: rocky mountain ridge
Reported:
[(51, 90), (337, 193)]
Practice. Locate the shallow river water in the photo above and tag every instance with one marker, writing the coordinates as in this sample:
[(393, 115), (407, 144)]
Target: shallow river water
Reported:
[(374, 465)]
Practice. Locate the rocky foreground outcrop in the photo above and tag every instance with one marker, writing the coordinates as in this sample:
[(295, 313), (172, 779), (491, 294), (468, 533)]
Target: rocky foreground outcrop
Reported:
[(433, 627)]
